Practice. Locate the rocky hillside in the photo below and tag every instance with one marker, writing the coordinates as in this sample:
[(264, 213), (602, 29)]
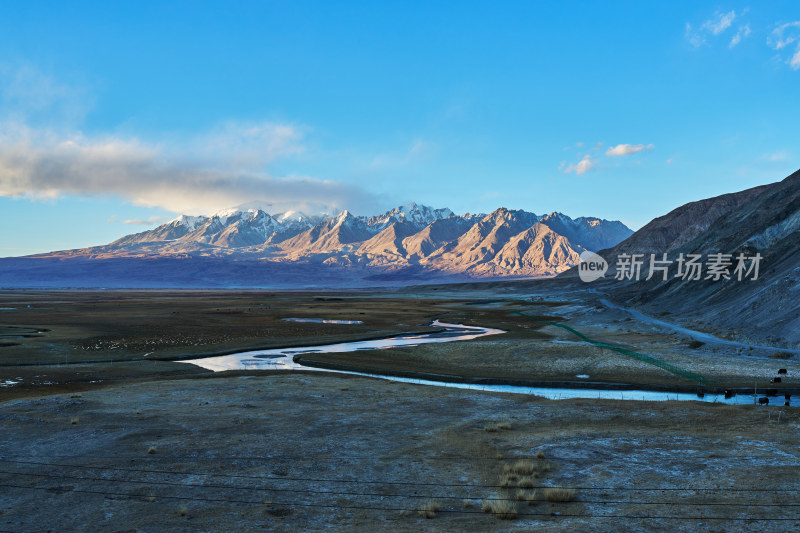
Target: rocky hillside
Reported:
[(762, 221)]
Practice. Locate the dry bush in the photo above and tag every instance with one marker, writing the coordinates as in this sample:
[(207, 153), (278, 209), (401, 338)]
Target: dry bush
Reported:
[(501, 509), (429, 509), (524, 467), (531, 497), (525, 483), (183, 511), (540, 454), (151, 450), (508, 480), (521, 495), (493, 428), (74, 420), (557, 494)]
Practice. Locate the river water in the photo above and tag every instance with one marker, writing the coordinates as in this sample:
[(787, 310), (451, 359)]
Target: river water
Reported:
[(283, 359)]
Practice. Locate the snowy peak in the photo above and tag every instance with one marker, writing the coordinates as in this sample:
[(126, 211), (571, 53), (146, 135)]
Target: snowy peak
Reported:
[(588, 232), (419, 215), (189, 222), (505, 242)]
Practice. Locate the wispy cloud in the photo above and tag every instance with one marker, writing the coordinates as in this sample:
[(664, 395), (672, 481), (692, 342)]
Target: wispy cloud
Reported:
[(149, 221), (714, 27), (250, 144), (584, 165), (776, 157), (33, 96), (627, 149), (42, 164), (720, 22), (743, 32), (787, 35), (44, 155), (694, 37), (418, 149)]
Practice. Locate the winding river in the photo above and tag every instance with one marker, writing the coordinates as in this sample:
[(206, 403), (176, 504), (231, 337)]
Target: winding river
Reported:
[(284, 359)]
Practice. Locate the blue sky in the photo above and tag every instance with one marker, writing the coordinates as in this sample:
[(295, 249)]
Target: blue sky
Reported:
[(115, 116)]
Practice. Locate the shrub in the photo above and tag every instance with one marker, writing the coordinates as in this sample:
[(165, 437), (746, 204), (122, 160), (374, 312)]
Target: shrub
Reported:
[(429, 509), (508, 480), (524, 467), (525, 483), (501, 509), (557, 494)]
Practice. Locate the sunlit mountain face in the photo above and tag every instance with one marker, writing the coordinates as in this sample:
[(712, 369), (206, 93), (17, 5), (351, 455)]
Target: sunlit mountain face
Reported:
[(408, 243)]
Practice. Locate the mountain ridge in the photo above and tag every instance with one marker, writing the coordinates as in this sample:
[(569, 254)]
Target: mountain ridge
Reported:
[(430, 242)]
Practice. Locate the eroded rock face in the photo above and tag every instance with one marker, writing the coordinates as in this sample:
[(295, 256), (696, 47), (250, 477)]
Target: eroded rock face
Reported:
[(764, 220)]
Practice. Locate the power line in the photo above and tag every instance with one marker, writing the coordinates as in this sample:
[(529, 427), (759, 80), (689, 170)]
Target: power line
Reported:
[(383, 482), (308, 491), (408, 496), (402, 509), (343, 457)]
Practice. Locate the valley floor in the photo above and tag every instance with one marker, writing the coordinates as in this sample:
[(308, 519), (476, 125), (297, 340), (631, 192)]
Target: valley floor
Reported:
[(107, 432), (311, 452)]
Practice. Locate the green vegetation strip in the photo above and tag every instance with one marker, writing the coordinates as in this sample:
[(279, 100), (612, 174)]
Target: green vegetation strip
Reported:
[(693, 376)]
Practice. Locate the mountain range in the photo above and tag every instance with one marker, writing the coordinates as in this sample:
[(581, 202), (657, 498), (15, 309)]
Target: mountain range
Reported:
[(407, 243)]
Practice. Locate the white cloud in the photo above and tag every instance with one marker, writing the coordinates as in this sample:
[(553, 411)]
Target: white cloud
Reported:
[(149, 221), (786, 35), (714, 27), (743, 32), (776, 157), (695, 38), (582, 166), (795, 61), (27, 94), (42, 164), (720, 22), (627, 149), (44, 155), (250, 144), (418, 150)]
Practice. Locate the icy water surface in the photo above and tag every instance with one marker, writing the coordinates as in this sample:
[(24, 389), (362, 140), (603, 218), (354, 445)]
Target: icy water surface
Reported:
[(322, 321)]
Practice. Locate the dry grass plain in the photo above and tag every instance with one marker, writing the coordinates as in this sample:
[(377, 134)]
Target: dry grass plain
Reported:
[(110, 434)]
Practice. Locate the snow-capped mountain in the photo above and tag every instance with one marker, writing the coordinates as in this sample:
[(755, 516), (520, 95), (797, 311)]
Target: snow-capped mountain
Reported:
[(430, 242), (418, 215)]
